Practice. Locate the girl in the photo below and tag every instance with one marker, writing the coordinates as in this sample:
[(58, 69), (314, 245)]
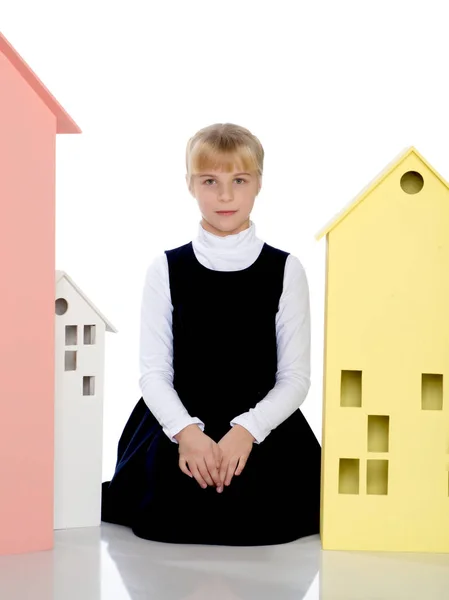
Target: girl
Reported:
[(216, 450)]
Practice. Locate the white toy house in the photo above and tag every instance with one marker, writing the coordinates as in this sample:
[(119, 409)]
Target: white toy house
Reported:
[(79, 382)]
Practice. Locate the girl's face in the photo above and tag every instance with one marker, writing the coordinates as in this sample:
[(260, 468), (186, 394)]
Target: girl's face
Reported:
[(220, 191)]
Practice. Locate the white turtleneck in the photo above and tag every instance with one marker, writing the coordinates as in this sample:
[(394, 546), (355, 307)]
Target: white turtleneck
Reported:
[(229, 253)]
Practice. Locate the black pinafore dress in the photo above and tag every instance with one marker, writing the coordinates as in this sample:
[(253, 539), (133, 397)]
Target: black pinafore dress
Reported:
[(225, 362)]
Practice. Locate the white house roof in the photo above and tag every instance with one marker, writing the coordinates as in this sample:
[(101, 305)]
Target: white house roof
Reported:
[(62, 274)]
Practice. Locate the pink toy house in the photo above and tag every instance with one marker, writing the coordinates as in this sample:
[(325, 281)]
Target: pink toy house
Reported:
[(30, 118)]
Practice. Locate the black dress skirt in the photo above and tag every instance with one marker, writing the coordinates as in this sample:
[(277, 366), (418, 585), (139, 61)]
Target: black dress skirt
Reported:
[(224, 363)]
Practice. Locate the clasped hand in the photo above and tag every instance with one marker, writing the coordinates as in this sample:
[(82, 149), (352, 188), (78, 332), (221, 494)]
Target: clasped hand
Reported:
[(212, 463)]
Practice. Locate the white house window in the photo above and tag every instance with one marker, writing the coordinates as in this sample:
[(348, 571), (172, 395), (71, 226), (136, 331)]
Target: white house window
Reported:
[(71, 335), (70, 360), (61, 306), (89, 334), (89, 386)]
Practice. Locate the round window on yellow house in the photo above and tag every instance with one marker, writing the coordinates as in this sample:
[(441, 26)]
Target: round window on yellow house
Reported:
[(412, 182)]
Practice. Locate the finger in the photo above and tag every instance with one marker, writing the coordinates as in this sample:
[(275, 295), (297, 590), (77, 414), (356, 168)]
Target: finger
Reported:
[(196, 473), (213, 471), (222, 472), (241, 465), (202, 466), (184, 468), (231, 470), (224, 468), (218, 454)]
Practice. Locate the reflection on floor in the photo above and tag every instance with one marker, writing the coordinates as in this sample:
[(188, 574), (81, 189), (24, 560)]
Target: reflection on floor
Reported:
[(109, 562)]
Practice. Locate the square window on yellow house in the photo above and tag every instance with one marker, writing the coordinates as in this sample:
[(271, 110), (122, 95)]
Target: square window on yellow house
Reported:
[(377, 477), (351, 389), (378, 433), (432, 391), (349, 475)]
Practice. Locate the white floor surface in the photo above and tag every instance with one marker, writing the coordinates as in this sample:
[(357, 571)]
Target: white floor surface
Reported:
[(111, 563)]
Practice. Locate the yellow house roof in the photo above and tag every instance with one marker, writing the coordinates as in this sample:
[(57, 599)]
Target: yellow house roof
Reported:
[(371, 185)]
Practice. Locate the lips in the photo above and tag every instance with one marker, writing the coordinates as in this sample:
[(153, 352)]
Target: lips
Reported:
[(226, 212)]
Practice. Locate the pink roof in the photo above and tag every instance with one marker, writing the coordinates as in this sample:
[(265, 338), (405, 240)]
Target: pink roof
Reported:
[(65, 124)]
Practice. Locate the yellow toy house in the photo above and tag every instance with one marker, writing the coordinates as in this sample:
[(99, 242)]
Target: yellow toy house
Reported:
[(385, 444)]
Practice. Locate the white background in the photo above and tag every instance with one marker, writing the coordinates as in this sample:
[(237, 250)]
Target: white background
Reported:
[(334, 91)]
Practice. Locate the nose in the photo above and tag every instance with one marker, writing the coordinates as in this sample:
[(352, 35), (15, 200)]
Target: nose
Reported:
[(225, 192)]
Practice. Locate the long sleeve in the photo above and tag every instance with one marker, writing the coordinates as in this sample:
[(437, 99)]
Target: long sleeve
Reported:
[(156, 352), (293, 349)]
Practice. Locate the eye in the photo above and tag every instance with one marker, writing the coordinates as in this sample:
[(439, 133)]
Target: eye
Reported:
[(236, 179)]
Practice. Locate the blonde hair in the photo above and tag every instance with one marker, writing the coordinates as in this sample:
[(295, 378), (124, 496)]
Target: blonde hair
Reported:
[(224, 146)]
